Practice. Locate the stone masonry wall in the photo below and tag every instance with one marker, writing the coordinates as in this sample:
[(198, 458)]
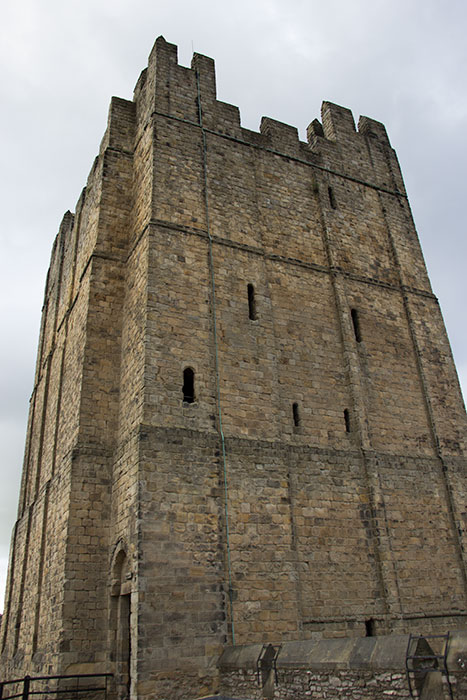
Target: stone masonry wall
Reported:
[(314, 484)]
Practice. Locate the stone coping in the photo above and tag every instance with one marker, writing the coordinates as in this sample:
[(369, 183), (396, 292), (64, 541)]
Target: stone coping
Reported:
[(358, 653), (216, 697)]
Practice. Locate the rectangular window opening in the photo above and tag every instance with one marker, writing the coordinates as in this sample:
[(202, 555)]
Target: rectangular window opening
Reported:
[(296, 415), (251, 303), (188, 385), (356, 325), (347, 420)]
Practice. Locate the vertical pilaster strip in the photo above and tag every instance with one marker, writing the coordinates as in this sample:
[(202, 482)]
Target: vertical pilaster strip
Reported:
[(40, 574), (22, 581), (387, 577), (292, 489), (35, 489), (447, 487), (23, 503), (288, 461), (59, 403), (77, 224), (216, 359)]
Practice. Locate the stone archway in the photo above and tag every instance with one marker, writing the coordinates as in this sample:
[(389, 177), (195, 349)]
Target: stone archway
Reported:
[(120, 623)]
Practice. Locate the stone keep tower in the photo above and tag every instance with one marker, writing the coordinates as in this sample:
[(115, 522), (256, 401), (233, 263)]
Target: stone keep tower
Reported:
[(246, 424)]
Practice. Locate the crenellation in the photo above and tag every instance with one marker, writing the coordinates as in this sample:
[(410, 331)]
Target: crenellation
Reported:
[(143, 111), (54, 288), (162, 65), (206, 74), (364, 156), (373, 129), (338, 122), (120, 133), (88, 222), (281, 137), (314, 130), (228, 121), (383, 157), (66, 270)]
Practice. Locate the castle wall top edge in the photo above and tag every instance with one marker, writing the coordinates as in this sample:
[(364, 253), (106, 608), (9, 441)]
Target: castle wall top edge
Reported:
[(337, 121), (168, 90)]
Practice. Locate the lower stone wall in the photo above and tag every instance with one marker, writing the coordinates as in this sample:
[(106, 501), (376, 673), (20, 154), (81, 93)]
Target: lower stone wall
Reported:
[(333, 685), (338, 685), (369, 668)]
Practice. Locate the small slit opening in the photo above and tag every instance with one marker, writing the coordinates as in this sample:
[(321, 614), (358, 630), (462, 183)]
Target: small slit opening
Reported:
[(188, 385), (356, 325), (251, 303), (347, 420), (296, 415)]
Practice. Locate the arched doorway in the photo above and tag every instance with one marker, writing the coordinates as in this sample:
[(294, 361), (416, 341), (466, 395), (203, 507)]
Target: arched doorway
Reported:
[(120, 624)]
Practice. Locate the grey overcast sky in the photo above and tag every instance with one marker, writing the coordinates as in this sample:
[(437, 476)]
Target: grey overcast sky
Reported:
[(402, 62)]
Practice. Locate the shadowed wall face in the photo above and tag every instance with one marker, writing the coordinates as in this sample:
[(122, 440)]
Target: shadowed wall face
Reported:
[(246, 424)]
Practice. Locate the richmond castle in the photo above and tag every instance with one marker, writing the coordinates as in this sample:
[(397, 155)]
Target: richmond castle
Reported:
[(245, 467)]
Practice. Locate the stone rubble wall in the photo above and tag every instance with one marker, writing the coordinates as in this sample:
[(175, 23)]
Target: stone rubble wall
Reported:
[(370, 668)]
